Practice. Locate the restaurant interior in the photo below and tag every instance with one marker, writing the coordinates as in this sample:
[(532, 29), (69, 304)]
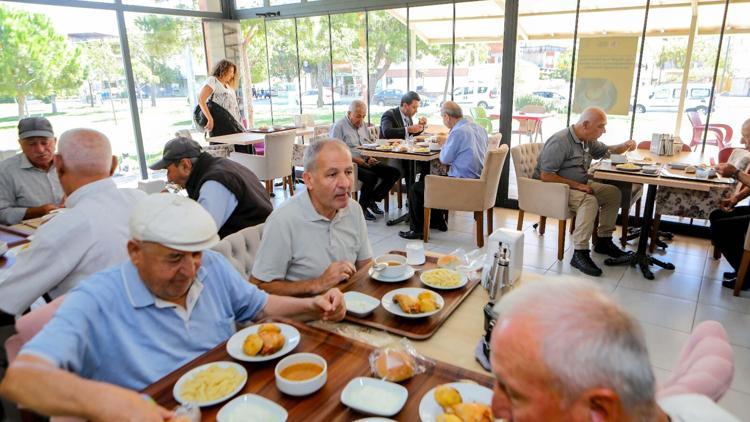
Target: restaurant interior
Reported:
[(673, 76)]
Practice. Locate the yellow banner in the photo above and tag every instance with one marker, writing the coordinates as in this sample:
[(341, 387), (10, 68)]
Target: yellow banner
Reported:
[(604, 74)]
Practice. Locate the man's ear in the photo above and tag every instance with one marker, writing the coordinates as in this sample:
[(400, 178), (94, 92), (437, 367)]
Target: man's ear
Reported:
[(57, 160), (114, 166), (307, 178), (603, 405), (134, 249)]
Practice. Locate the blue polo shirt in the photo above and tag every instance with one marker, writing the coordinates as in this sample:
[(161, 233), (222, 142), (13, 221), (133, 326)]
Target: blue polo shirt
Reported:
[(464, 150), (111, 328)]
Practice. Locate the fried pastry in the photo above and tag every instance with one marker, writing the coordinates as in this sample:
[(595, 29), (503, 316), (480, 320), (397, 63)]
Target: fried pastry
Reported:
[(253, 344), (407, 303), (447, 396), (272, 328), (272, 342), (471, 412), (447, 418), (427, 305)]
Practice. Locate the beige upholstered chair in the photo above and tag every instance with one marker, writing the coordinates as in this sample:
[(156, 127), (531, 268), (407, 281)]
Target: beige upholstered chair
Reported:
[(744, 264), (542, 198), (477, 195), (275, 161), (494, 140), (240, 249), (374, 132), (320, 132)]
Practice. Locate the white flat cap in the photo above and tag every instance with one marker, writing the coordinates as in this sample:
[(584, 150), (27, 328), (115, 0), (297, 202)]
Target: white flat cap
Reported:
[(174, 221)]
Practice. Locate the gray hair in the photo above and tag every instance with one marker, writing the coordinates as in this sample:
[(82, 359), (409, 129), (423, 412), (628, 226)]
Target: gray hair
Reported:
[(86, 152), (312, 151), (452, 109), (357, 104), (409, 97), (587, 340)]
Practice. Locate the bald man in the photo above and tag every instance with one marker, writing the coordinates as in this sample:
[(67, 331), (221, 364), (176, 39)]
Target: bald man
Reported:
[(565, 159), (88, 236)]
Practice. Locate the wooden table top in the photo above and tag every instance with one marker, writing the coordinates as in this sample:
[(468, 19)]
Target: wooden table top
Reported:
[(250, 138), (524, 116), (434, 155), (416, 328), (346, 360)]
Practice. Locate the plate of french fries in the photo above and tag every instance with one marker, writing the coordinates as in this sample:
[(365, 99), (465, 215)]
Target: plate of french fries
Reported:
[(443, 279), (412, 302), (210, 384), (262, 342)]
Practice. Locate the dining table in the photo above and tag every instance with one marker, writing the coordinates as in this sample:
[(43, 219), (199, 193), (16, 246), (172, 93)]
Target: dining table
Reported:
[(255, 137), (535, 119), (666, 176)]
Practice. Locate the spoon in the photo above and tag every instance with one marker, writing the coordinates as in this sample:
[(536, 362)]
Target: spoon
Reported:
[(379, 267)]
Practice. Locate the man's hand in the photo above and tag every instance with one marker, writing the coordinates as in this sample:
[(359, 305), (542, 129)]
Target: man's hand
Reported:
[(119, 404), (330, 305), (415, 128), (726, 169), (728, 204), (335, 273), (372, 161), (361, 161), (583, 187), (423, 121), (629, 145)]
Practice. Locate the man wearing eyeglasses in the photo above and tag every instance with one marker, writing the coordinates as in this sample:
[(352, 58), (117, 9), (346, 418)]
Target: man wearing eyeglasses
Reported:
[(29, 187)]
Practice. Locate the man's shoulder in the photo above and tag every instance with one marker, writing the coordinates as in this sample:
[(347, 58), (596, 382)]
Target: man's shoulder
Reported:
[(391, 112), (289, 210), (102, 286), (558, 140), (10, 163)]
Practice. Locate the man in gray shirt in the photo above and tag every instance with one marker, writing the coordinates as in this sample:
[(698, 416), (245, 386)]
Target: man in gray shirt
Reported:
[(565, 159), (377, 178), (29, 187)]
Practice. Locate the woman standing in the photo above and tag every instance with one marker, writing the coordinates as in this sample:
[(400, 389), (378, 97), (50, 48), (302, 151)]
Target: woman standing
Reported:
[(220, 89)]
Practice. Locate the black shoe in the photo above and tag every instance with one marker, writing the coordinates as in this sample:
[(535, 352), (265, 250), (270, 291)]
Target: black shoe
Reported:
[(411, 234), (375, 208), (605, 246), (368, 215), (729, 284), (583, 262), (440, 226), (729, 275)]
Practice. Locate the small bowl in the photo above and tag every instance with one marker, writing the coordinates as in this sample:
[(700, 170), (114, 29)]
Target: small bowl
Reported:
[(360, 304), (301, 388), (355, 394), (392, 271)]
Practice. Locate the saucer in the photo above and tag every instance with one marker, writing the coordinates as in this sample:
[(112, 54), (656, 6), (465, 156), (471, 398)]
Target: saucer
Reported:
[(379, 277)]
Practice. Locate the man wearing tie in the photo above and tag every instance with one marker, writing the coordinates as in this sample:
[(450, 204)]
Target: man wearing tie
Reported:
[(396, 123)]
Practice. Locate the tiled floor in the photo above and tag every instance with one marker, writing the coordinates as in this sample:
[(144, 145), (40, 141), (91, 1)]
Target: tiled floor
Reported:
[(667, 307)]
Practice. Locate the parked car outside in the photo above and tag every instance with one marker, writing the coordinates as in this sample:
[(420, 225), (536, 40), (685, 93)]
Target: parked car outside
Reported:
[(477, 96), (666, 97)]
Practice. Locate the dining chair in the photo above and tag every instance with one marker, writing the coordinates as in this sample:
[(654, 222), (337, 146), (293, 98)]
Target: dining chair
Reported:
[(722, 133), (28, 326), (458, 194), (546, 199), (321, 132), (485, 123), (478, 112), (275, 161), (240, 249)]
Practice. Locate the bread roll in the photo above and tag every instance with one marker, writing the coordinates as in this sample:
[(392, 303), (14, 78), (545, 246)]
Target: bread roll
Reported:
[(395, 365), (448, 261)]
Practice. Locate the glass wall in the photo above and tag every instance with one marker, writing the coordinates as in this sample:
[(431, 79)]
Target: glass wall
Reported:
[(254, 49), (315, 68), (202, 5), (283, 71), (349, 45), (387, 55)]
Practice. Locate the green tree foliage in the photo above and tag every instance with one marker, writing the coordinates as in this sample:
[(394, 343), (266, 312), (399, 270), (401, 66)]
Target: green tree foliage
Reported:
[(101, 60), (673, 54), (387, 39), (34, 58)]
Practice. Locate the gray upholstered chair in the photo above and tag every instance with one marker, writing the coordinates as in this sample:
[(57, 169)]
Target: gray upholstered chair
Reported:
[(241, 248)]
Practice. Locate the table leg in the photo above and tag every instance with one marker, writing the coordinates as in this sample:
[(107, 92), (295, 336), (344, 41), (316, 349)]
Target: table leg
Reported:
[(640, 257), (411, 172)]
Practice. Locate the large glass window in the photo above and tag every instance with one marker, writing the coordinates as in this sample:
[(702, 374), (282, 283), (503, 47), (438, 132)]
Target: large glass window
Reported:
[(349, 60), (85, 86), (388, 60), (248, 4), (202, 5), (254, 48), (315, 68), (284, 72), (169, 67)]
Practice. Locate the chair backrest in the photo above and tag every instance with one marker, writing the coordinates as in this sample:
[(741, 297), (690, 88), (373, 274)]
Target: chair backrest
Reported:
[(532, 108), (152, 186), (278, 154), (524, 158), (374, 132), (478, 112), (493, 168), (29, 325), (240, 249), (485, 123), (222, 150), (494, 140), (725, 153), (695, 119), (306, 120), (647, 145), (321, 131)]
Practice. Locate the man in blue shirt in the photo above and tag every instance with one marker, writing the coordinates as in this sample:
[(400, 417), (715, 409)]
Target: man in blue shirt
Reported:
[(464, 151), (128, 326)]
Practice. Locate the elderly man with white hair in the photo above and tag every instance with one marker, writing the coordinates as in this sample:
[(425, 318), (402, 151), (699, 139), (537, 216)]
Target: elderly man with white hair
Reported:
[(561, 350), (566, 158), (377, 178), (130, 325), (88, 236)]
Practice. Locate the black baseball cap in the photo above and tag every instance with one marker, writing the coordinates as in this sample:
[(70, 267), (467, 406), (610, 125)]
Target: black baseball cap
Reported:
[(175, 150), (35, 126)]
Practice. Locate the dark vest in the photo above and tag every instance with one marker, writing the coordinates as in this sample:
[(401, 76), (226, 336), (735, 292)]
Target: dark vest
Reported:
[(253, 203)]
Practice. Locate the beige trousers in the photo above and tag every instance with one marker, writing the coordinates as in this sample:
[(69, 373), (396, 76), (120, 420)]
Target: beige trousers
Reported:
[(605, 200)]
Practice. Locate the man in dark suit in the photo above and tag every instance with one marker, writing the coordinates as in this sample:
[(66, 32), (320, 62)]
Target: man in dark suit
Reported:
[(396, 123)]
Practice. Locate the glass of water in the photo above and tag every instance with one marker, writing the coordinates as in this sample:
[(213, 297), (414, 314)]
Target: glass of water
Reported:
[(415, 252)]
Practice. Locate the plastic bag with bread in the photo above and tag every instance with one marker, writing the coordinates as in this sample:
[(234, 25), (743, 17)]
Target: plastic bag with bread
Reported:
[(398, 361)]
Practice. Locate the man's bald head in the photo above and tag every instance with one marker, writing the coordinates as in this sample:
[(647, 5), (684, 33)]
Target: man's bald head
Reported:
[(745, 134), (591, 124), (451, 113), (85, 153)]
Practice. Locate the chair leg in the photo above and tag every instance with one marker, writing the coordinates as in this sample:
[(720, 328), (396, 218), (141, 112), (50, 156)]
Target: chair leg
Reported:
[(519, 225), (291, 185), (426, 225), (400, 198), (561, 239), (542, 224), (742, 272), (479, 218), (595, 232), (637, 211), (624, 236), (269, 186), (654, 233), (572, 224), (717, 253), (490, 222), (387, 201)]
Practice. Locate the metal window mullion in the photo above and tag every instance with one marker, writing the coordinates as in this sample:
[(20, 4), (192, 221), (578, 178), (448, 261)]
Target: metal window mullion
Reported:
[(299, 67), (367, 62), (573, 62), (510, 34), (453, 53), (408, 51), (638, 73), (268, 68), (716, 70), (330, 64)]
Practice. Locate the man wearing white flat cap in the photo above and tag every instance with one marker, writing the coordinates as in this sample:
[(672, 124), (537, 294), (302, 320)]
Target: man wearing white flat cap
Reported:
[(130, 325)]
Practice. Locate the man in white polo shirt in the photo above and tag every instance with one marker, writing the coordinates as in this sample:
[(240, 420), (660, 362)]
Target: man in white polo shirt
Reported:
[(318, 238), (130, 325)]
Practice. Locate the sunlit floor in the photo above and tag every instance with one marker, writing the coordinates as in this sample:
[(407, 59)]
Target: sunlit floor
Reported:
[(667, 307)]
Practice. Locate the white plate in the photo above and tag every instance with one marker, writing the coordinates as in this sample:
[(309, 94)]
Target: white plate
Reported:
[(375, 419), (380, 277), (176, 390), (246, 407), (368, 395), (462, 283), (234, 345), (368, 300), (429, 409), (387, 302)]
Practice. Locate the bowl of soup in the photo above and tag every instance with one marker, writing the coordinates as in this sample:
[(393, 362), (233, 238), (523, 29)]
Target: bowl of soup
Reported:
[(301, 374), (395, 265)]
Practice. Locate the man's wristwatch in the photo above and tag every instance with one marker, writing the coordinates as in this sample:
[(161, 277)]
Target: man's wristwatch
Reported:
[(736, 174)]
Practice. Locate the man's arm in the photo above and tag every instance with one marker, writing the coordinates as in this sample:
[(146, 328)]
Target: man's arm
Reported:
[(36, 384), (219, 201), (556, 178), (9, 213), (389, 129), (622, 148), (335, 273), (450, 150), (328, 307)]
